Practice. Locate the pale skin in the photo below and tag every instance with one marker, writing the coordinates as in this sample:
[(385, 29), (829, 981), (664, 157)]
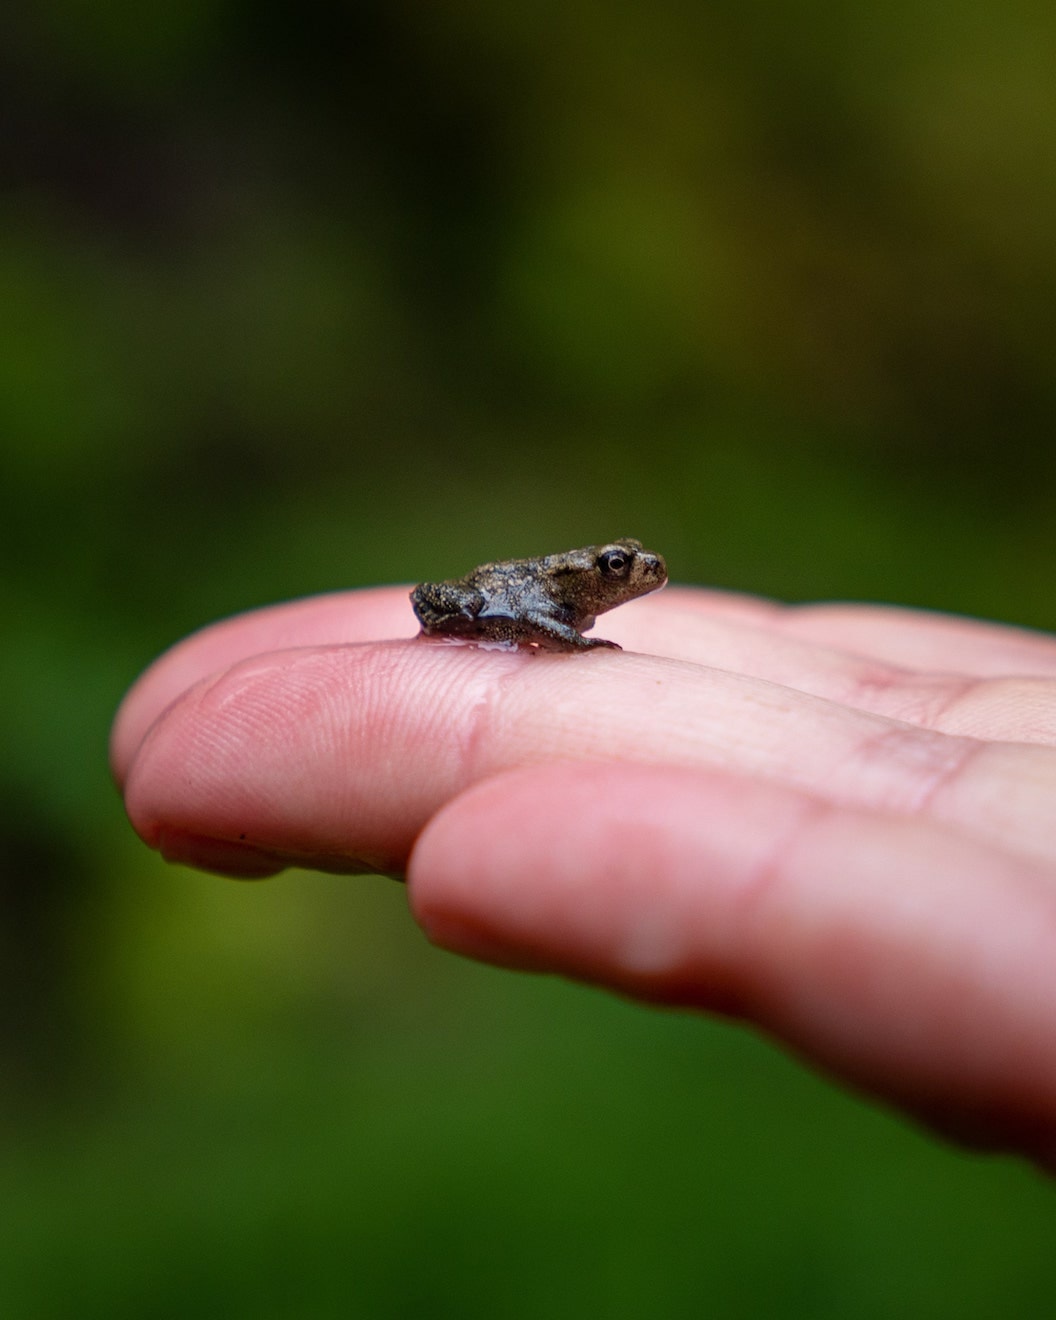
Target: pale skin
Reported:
[(835, 822)]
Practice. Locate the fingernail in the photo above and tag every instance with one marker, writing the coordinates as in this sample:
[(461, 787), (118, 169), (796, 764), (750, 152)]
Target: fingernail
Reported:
[(238, 860)]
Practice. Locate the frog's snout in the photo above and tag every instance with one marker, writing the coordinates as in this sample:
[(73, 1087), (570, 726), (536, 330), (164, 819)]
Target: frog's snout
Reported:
[(653, 567)]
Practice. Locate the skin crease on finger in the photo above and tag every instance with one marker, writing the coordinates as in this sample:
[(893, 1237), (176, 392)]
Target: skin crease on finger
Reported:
[(894, 953)]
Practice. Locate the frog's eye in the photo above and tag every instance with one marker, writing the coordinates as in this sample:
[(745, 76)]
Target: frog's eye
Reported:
[(614, 564)]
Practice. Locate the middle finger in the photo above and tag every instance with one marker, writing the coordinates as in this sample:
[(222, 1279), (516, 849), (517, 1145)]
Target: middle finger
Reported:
[(680, 626)]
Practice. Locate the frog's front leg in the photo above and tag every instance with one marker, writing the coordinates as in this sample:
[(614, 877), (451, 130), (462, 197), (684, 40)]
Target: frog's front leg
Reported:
[(563, 635)]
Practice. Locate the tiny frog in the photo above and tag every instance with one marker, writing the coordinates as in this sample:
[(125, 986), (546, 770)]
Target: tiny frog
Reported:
[(550, 602)]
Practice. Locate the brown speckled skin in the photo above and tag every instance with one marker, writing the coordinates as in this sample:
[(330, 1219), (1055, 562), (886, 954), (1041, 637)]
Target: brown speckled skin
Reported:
[(549, 602)]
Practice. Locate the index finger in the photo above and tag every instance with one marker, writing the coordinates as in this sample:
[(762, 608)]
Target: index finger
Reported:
[(318, 754), (789, 645)]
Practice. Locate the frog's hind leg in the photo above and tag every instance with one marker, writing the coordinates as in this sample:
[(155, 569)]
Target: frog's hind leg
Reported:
[(443, 607)]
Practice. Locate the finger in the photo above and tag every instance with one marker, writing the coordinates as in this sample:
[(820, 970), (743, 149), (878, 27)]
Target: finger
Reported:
[(685, 627), (923, 640), (347, 751), (893, 952), (350, 616), (914, 639), (729, 632)]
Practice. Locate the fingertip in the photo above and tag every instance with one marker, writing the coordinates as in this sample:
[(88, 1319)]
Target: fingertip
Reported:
[(346, 617), (329, 757)]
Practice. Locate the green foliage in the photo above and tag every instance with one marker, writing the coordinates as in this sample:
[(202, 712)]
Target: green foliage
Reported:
[(306, 297)]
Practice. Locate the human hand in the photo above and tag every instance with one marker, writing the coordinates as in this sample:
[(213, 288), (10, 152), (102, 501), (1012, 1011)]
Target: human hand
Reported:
[(836, 822)]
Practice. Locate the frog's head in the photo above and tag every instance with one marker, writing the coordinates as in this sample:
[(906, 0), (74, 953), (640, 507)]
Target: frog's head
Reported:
[(623, 570)]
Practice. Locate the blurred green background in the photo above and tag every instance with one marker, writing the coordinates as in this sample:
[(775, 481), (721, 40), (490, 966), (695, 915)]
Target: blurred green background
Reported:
[(302, 297)]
